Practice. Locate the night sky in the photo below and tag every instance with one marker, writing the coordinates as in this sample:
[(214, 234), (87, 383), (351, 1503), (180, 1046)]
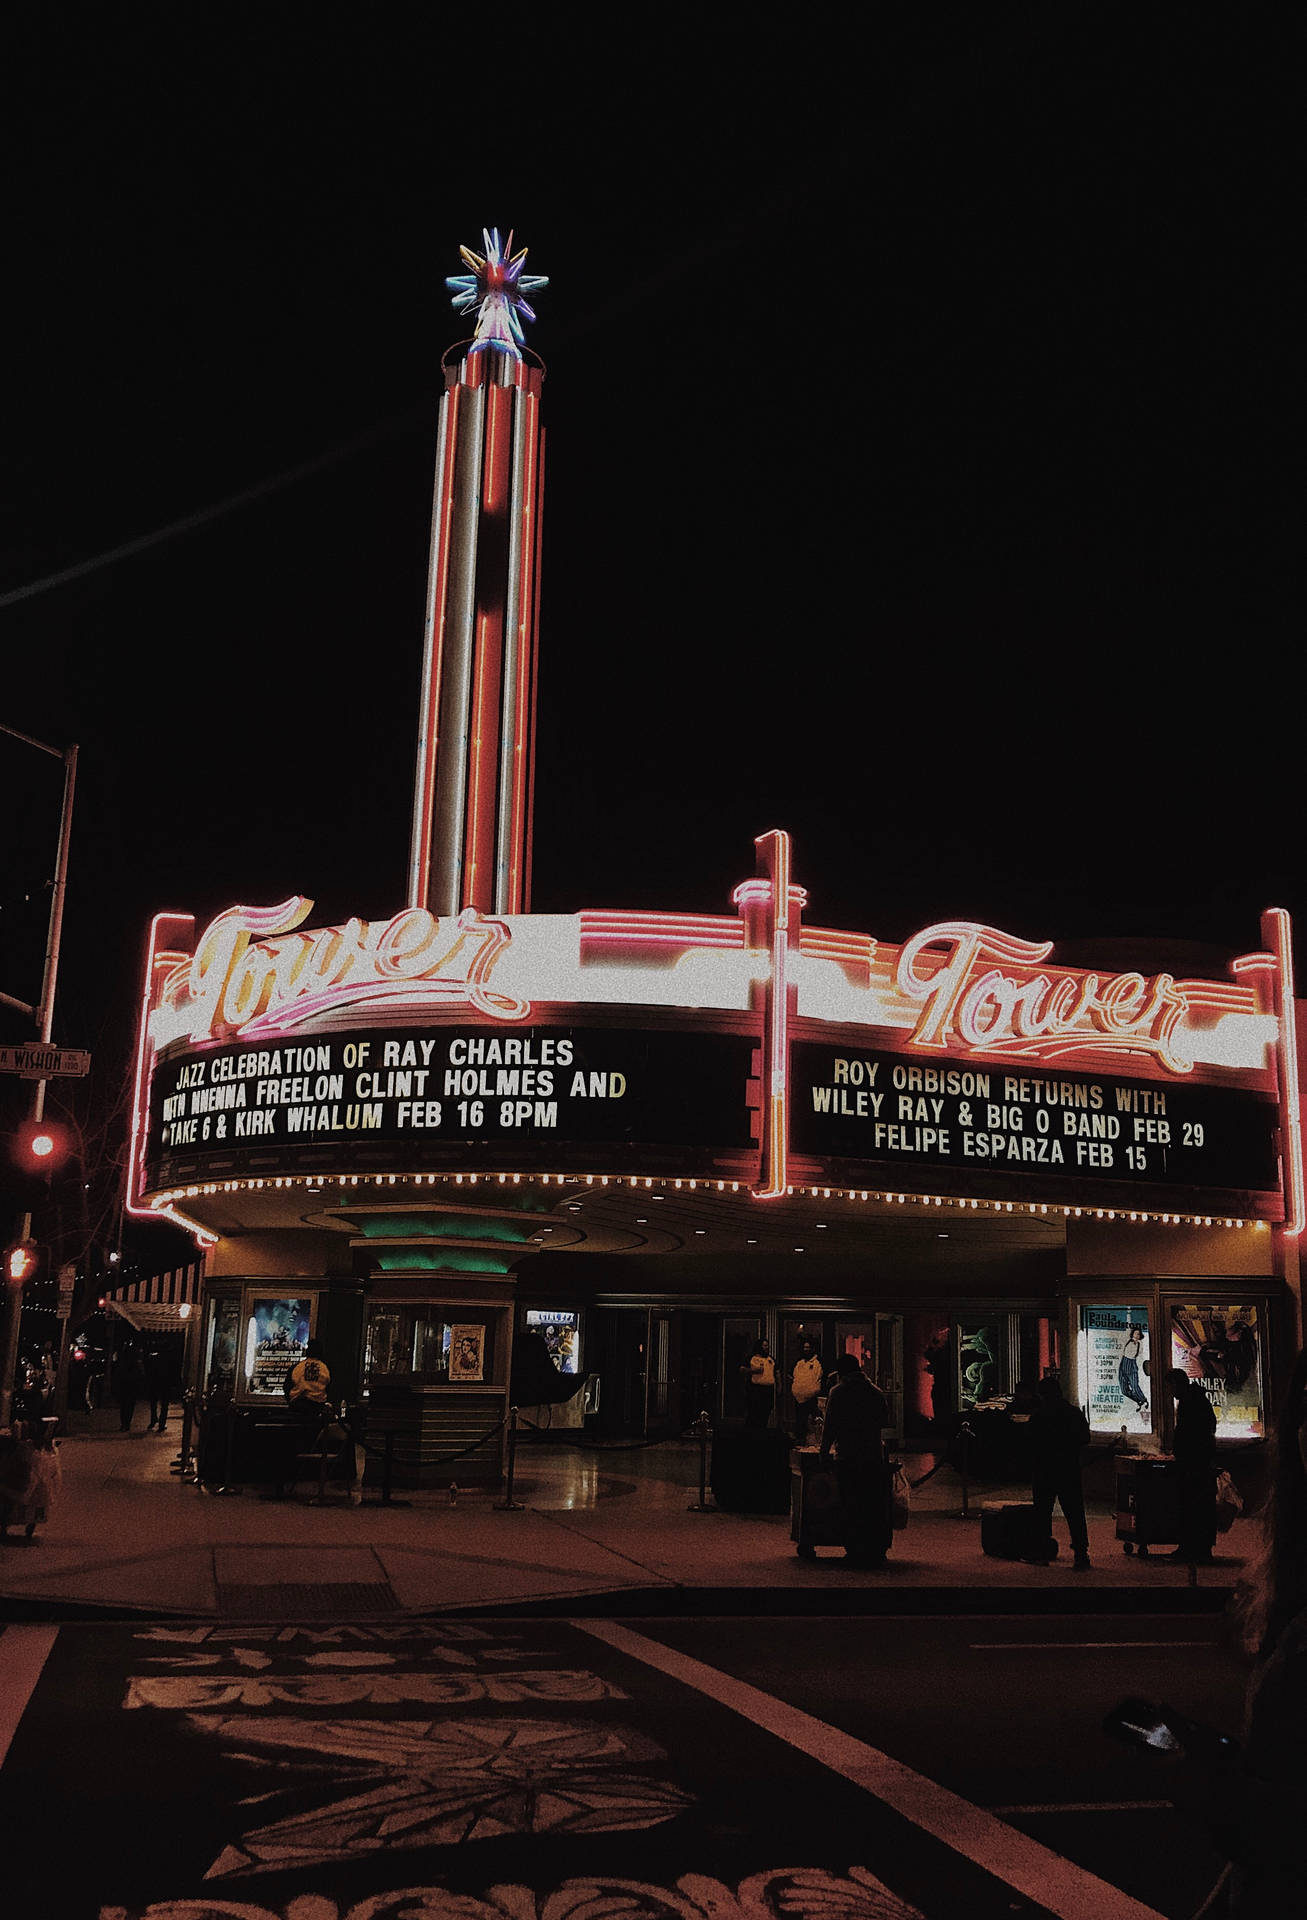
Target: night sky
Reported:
[(924, 411)]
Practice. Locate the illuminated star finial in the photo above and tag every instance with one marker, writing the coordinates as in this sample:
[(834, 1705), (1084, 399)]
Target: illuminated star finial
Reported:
[(494, 290)]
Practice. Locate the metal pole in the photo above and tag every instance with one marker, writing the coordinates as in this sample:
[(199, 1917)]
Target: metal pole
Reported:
[(965, 1435), (13, 1304), (702, 1429), (508, 1504)]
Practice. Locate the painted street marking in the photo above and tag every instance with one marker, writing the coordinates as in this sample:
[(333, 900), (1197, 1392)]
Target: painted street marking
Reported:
[(1052, 1882), (24, 1651), (1072, 1646), (1094, 1806)]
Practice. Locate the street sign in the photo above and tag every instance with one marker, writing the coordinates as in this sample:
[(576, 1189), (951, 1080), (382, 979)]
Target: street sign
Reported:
[(67, 1287), (39, 1062)]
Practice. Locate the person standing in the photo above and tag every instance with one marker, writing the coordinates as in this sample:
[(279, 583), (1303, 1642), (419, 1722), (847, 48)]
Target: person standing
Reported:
[(161, 1385), (760, 1387), (805, 1386), (131, 1385), (1262, 1810), (856, 1415), (1194, 1447), (1059, 1433)]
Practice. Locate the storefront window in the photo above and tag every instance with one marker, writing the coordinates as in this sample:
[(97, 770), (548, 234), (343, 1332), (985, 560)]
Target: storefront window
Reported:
[(1221, 1348), (858, 1337), (421, 1342), (982, 1361), (223, 1345), (430, 1344), (385, 1349), (1115, 1369)]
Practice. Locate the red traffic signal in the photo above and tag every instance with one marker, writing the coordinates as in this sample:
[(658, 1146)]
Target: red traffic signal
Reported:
[(21, 1262), (42, 1146)]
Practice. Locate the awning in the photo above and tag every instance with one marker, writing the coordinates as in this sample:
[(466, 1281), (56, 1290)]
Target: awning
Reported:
[(162, 1304), (153, 1316)]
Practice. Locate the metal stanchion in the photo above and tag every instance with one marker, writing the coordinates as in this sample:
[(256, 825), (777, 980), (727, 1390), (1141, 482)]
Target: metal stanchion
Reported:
[(387, 1469), (702, 1431), (966, 1435), (184, 1465), (508, 1504), (226, 1486)]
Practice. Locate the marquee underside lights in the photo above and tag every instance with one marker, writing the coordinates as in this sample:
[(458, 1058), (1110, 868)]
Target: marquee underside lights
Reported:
[(340, 1192), (965, 1063)]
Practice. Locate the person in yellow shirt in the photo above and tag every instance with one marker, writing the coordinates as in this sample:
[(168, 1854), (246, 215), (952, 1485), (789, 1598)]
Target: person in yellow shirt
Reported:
[(306, 1387), (805, 1387), (760, 1388)]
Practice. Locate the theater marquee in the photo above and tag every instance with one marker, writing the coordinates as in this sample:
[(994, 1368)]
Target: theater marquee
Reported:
[(964, 1060)]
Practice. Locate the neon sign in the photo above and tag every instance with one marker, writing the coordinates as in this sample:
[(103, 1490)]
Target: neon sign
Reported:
[(1042, 1014), (494, 290), (252, 974)]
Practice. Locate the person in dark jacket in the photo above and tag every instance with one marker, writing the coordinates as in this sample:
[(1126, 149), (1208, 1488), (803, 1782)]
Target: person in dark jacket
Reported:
[(162, 1386), (1058, 1434), (1194, 1447), (856, 1413), (130, 1381), (1262, 1810)]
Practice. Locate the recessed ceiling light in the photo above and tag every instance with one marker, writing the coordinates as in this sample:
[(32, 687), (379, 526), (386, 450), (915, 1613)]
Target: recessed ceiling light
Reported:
[(941, 1236), (798, 1249), (641, 1219), (751, 1243), (701, 1229), (821, 1226)]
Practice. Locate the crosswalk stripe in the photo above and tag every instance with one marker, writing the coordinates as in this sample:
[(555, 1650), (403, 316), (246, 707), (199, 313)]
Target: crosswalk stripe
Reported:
[(1047, 1878)]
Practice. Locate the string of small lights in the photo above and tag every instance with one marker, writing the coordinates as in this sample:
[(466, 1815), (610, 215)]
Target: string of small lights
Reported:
[(350, 1183)]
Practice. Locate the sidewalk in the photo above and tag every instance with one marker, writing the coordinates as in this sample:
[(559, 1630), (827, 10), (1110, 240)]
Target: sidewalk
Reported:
[(598, 1532)]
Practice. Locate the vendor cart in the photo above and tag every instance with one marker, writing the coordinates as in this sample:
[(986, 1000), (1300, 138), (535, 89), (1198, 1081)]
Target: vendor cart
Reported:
[(816, 1516), (1147, 1502)]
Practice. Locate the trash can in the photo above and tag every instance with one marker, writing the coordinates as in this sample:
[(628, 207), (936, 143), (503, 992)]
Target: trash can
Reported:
[(1147, 1502)]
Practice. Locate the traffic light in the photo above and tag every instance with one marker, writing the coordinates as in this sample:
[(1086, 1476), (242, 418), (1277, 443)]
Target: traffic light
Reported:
[(42, 1146), (22, 1262)]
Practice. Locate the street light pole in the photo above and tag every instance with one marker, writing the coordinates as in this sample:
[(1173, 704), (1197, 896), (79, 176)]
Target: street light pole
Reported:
[(44, 1013)]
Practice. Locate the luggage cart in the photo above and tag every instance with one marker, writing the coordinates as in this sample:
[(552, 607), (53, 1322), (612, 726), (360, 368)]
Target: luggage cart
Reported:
[(816, 1515), (1147, 1503)]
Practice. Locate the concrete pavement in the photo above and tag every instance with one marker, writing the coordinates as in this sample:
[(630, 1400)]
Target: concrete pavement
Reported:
[(598, 1531)]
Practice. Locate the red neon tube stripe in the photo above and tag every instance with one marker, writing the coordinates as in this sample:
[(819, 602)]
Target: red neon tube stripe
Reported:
[(425, 795), (485, 746)]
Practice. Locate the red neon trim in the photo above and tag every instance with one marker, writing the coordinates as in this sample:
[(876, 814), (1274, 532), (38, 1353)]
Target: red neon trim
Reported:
[(523, 706), (485, 746), (1276, 923), (774, 855), (425, 799), (155, 958), (528, 837)]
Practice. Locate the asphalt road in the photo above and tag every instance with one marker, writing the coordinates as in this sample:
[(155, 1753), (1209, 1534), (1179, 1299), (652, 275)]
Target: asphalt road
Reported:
[(827, 1769)]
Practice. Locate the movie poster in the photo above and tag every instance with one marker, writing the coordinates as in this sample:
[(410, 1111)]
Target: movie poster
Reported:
[(467, 1351), (277, 1337), (558, 1328), (1115, 1384), (981, 1373), (1220, 1347)]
